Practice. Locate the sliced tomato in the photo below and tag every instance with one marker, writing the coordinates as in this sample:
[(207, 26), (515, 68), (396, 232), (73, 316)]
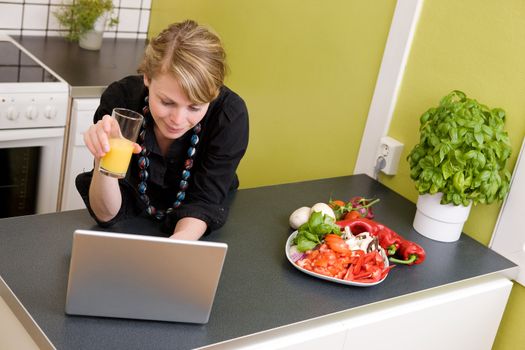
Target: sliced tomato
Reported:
[(321, 261), (337, 244), (322, 270), (334, 258), (304, 263), (332, 237)]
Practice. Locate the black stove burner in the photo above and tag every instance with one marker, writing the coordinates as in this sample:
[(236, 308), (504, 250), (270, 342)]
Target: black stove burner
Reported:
[(17, 67)]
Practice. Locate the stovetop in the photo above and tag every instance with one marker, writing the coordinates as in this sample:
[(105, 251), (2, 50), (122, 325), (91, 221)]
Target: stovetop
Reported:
[(31, 95), (16, 66)]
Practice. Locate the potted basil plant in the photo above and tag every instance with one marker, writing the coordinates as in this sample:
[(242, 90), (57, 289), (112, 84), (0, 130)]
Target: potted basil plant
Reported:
[(460, 160), (86, 21)]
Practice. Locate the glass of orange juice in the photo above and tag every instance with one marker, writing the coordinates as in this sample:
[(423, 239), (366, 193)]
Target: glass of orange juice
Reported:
[(115, 163)]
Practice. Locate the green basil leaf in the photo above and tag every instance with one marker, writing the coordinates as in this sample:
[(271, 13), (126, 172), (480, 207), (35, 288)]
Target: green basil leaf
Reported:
[(448, 169), (328, 219), (442, 154), (304, 227), (487, 130), (479, 137), (423, 187), (471, 154), (459, 181), (322, 229), (484, 176), (303, 244), (426, 162), (316, 218), (454, 135), (481, 159)]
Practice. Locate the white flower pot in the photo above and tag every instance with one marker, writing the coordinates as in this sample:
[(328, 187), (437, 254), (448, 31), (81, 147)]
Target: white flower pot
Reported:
[(439, 222), (92, 40)]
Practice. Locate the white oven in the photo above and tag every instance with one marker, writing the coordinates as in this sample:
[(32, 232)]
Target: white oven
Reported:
[(33, 113)]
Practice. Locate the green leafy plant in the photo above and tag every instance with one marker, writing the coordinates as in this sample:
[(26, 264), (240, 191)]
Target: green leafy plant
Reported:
[(462, 152), (80, 16)]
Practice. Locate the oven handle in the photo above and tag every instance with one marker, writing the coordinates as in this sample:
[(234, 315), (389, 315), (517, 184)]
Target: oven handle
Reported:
[(30, 134)]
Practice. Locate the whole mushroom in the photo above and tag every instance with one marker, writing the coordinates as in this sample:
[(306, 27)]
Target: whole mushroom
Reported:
[(299, 217)]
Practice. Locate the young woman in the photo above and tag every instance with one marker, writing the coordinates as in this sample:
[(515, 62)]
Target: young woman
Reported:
[(194, 135)]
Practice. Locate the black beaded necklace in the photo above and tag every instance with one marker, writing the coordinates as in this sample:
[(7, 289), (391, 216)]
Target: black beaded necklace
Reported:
[(143, 164)]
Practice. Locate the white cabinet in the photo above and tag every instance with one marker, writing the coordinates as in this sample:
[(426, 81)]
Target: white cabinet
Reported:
[(463, 315), (13, 335), (78, 159), (452, 317)]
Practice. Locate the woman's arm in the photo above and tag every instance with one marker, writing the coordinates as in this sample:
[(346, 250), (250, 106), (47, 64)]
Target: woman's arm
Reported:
[(104, 191), (189, 228), (104, 195)]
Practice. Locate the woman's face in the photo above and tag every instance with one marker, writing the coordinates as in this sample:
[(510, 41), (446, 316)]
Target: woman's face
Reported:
[(173, 113)]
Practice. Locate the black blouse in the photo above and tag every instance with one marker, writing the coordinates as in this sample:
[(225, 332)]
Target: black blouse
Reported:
[(223, 142)]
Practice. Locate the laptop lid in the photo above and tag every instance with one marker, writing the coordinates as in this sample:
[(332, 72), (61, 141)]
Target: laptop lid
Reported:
[(143, 277)]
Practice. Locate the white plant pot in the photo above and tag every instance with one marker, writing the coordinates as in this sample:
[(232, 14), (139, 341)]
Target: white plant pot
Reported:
[(92, 40), (440, 222)]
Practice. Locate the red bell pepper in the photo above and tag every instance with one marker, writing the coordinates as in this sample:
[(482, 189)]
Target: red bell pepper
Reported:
[(401, 251), (359, 225), (409, 253), (375, 258), (359, 262), (389, 240)]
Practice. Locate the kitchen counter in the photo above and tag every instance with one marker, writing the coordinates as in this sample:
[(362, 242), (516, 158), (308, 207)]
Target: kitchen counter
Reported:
[(259, 289), (87, 72)]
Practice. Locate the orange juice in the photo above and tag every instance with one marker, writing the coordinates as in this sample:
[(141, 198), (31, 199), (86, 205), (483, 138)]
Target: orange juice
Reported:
[(115, 162)]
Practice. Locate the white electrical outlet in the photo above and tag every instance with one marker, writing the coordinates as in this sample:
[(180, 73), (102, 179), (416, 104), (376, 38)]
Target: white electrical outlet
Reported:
[(390, 149)]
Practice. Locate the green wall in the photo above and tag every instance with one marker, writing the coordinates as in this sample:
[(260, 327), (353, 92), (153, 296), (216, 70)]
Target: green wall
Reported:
[(478, 47), (307, 70)]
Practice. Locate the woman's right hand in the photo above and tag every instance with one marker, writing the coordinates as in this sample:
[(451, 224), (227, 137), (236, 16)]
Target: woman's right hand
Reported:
[(97, 136)]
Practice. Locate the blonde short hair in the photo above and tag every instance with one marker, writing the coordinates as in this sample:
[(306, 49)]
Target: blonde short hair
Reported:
[(193, 54)]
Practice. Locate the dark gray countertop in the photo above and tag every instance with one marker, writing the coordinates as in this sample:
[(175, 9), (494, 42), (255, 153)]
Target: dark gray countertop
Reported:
[(87, 72), (259, 289)]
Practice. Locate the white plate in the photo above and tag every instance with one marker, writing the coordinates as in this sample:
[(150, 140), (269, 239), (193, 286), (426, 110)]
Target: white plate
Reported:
[(328, 278)]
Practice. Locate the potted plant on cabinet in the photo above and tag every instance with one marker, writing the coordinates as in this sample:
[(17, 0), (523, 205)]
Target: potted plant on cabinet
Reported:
[(86, 21), (460, 160)]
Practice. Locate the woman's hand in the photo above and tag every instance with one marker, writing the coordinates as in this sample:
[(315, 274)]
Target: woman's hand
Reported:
[(97, 136)]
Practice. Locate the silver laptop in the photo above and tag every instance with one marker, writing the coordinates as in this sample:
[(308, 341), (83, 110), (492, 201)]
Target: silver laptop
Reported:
[(142, 277)]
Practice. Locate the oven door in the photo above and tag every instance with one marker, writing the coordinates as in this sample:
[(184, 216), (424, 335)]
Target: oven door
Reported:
[(31, 162)]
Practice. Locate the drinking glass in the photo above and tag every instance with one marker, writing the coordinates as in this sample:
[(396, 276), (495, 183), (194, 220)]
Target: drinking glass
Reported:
[(115, 163)]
